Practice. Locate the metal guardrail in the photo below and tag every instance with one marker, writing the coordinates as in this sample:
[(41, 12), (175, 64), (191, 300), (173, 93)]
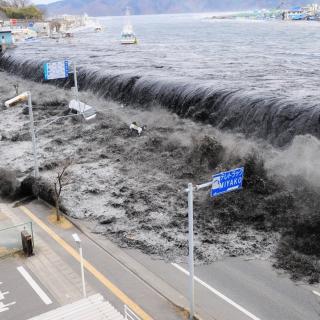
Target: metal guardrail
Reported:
[(10, 238), (129, 314)]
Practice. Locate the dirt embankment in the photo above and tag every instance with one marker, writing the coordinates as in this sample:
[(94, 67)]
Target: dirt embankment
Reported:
[(131, 187)]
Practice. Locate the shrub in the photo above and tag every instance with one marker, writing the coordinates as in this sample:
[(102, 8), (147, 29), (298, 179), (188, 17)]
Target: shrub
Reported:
[(30, 12), (9, 183)]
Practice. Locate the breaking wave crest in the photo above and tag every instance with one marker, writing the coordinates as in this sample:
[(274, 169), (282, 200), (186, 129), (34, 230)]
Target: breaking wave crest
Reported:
[(272, 119)]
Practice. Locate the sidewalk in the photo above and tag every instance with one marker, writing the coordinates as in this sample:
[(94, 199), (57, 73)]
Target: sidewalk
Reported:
[(56, 275), (56, 266)]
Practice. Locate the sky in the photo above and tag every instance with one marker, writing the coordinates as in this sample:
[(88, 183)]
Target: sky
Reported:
[(43, 1)]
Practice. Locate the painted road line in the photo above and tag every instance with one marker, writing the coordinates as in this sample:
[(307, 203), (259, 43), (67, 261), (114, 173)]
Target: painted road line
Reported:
[(43, 296), (5, 307), (316, 293), (97, 274), (2, 295), (219, 294)]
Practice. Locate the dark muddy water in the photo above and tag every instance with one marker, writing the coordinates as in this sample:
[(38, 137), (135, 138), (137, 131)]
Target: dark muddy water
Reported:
[(257, 77)]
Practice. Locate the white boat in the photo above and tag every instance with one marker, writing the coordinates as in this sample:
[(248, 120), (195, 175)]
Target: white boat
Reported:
[(127, 35), (97, 26)]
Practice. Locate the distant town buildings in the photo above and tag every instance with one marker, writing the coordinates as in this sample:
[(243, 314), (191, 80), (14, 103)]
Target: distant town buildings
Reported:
[(27, 29), (309, 12)]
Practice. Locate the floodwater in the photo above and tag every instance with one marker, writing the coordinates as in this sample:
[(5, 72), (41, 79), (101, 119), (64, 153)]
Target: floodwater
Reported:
[(259, 78), (277, 57), (255, 77)]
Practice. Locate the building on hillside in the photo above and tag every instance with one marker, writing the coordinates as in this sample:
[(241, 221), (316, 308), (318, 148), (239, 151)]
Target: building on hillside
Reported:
[(5, 40)]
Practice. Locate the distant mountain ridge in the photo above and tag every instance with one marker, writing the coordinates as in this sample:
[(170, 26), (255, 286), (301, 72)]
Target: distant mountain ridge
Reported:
[(116, 7)]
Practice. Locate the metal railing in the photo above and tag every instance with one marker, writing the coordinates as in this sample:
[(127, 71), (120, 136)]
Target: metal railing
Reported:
[(10, 238), (129, 314)]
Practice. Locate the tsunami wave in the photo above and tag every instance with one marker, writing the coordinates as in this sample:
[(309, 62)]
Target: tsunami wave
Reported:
[(272, 119)]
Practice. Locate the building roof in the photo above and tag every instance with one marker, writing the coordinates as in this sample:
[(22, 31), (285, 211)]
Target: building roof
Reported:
[(94, 307)]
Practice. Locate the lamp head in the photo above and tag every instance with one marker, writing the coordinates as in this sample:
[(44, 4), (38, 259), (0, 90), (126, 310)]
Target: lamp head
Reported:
[(76, 238)]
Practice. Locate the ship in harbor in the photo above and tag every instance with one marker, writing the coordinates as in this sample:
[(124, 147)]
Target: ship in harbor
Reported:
[(128, 36)]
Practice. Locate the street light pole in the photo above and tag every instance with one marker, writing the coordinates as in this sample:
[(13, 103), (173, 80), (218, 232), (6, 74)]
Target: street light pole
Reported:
[(82, 272), (33, 136), (78, 241)]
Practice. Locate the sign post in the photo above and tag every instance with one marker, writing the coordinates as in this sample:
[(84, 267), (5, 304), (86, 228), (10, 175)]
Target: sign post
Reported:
[(221, 183), (190, 240), (75, 80)]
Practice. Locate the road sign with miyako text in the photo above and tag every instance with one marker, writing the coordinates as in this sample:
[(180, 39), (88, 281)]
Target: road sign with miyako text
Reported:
[(227, 181)]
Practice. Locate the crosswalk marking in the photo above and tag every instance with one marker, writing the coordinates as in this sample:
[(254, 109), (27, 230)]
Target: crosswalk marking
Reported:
[(5, 307), (43, 296)]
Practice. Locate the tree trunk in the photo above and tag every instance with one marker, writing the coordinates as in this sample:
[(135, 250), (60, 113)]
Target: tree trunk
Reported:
[(57, 210)]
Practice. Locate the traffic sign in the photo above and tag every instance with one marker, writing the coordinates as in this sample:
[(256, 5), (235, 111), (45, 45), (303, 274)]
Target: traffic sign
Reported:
[(227, 181), (56, 70)]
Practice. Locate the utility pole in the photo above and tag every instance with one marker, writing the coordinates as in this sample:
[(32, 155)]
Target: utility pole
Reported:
[(33, 136)]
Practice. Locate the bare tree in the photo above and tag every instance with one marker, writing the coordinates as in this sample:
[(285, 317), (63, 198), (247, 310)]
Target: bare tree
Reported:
[(60, 182), (17, 3)]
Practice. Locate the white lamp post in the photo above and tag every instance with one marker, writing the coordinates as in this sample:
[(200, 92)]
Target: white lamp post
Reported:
[(26, 96), (78, 241)]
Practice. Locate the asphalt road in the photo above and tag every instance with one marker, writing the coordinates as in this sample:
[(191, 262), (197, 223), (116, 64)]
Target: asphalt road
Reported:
[(227, 290), (18, 300), (253, 285), (58, 255)]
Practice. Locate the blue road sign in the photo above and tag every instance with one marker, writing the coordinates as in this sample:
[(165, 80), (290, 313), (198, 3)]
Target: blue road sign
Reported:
[(56, 70), (227, 181)]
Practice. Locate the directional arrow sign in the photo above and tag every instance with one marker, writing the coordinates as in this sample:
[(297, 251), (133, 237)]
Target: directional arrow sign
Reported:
[(227, 181)]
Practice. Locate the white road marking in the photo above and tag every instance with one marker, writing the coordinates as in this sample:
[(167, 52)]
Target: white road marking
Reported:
[(219, 294), (316, 293), (4, 307), (34, 285), (2, 294)]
